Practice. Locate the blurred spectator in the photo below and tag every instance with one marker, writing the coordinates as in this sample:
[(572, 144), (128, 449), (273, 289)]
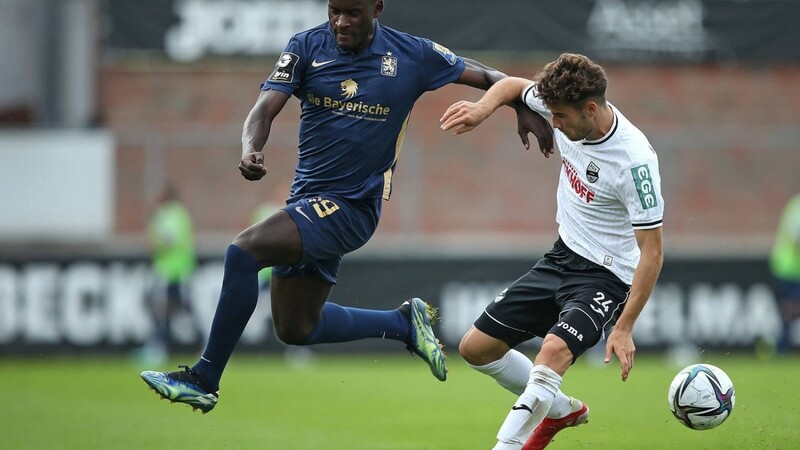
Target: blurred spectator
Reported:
[(171, 235), (785, 267)]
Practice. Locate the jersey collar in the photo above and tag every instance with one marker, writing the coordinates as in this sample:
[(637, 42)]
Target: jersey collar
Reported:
[(610, 132), (376, 47)]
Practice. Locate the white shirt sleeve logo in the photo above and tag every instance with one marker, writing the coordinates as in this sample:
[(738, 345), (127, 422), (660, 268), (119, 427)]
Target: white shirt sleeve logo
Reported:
[(644, 186)]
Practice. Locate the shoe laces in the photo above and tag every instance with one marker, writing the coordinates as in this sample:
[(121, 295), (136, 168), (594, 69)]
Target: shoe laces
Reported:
[(186, 375)]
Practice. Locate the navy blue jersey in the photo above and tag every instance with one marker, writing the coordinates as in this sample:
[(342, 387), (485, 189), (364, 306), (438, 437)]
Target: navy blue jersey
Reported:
[(355, 108)]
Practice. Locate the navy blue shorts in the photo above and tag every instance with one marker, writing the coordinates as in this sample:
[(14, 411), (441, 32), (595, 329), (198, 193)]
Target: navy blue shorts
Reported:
[(330, 227), (564, 294)]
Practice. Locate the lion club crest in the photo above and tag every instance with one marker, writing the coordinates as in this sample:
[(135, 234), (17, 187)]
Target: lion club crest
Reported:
[(389, 66), (349, 89), (592, 172)]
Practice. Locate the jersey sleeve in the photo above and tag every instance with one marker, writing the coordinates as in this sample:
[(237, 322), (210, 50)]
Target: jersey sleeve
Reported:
[(288, 72), (641, 193), (439, 67), (535, 103)]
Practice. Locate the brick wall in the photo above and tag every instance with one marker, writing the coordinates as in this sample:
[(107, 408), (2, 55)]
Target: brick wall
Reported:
[(727, 139)]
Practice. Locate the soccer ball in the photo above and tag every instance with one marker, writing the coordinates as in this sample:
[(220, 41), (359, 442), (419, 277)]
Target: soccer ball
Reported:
[(701, 396)]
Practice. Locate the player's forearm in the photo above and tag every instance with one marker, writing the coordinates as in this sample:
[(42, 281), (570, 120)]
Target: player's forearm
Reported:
[(255, 132), (504, 92), (258, 123), (644, 280)]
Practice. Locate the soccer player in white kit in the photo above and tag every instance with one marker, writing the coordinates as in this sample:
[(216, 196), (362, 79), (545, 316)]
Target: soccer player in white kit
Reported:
[(601, 270)]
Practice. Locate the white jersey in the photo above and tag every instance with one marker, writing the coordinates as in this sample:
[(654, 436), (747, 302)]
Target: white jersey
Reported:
[(608, 188)]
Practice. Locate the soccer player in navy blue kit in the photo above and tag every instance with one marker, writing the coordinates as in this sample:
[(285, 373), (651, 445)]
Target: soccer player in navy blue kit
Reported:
[(357, 82)]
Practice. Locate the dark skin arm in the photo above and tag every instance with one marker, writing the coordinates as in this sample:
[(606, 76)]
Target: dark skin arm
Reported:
[(256, 132), (258, 124), (483, 77)]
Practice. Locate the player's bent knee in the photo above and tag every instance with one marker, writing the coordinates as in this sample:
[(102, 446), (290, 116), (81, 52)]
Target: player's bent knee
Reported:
[(292, 333), (477, 353), (246, 240), (555, 353), (467, 352), (555, 345)]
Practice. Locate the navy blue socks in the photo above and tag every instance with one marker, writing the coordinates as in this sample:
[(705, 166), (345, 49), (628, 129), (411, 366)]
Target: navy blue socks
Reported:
[(342, 324), (237, 301)]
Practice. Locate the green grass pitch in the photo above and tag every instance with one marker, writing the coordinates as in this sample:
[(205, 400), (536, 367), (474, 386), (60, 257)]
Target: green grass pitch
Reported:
[(371, 402)]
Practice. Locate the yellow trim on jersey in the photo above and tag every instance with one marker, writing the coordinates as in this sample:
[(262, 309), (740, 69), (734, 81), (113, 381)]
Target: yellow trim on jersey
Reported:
[(387, 176)]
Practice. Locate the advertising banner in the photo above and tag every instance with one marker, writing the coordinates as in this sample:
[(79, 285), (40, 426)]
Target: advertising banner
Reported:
[(636, 31), (103, 305)]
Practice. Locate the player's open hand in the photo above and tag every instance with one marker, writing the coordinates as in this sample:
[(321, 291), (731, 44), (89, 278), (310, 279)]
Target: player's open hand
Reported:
[(621, 343), (252, 166), (529, 121), (464, 116)]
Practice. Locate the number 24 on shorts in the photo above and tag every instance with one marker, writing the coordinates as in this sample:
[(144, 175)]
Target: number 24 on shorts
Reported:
[(600, 299)]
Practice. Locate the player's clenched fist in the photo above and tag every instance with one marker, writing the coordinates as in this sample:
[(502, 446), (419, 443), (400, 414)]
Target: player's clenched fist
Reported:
[(252, 166)]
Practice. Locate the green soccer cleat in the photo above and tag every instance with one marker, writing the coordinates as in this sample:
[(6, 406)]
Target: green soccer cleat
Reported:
[(182, 386), (423, 341)]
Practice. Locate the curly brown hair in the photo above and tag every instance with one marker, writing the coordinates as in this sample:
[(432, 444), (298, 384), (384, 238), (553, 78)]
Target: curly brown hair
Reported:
[(571, 79)]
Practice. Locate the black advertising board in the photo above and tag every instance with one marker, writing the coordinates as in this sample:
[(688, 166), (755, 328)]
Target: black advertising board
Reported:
[(90, 304), (635, 31)]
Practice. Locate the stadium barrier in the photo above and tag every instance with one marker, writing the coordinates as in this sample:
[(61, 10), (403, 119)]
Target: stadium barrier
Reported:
[(101, 305)]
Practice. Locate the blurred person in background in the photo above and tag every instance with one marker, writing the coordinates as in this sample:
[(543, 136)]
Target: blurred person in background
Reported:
[(603, 266), (171, 237), (785, 268), (357, 82)]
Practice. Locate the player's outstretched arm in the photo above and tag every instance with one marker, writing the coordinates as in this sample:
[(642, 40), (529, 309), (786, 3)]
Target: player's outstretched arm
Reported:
[(464, 116), (255, 132), (620, 341), (484, 77), (479, 75)]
